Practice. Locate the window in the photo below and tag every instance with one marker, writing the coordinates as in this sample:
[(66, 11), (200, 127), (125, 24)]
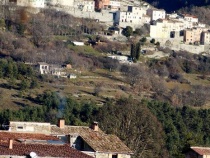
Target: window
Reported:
[(114, 156), (20, 127)]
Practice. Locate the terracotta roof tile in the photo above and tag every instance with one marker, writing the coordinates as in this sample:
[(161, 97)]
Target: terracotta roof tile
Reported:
[(201, 150), (11, 135), (97, 140), (43, 150)]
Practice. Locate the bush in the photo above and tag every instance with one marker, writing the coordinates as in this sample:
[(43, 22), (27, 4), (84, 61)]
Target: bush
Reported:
[(128, 31), (152, 41), (25, 84), (143, 40)]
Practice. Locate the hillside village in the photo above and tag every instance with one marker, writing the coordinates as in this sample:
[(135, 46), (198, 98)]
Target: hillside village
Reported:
[(66, 64), (175, 31)]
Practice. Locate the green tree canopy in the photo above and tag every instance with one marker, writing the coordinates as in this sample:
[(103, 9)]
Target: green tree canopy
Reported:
[(128, 31)]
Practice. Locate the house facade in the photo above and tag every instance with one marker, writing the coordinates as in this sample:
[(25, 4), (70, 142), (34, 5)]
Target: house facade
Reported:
[(43, 67), (55, 70), (85, 5), (192, 36), (156, 14), (25, 127), (205, 37), (190, 18), (134, 17), (163, 28)]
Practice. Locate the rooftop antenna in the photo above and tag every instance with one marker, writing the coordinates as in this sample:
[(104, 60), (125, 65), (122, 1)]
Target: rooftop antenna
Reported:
[(5, 126)]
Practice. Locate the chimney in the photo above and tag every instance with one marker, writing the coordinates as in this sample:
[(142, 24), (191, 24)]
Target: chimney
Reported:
[(10, 144), (94, 126), (61, 123)]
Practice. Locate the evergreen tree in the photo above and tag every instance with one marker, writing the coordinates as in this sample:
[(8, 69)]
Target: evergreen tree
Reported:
[(135, 51), (128, 31), (138, 50)]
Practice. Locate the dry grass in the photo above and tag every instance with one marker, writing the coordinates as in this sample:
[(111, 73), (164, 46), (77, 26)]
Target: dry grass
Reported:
[(195, 79), (171, 85), (82, 88)]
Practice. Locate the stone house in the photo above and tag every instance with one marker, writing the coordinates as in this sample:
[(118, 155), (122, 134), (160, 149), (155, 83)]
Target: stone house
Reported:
[(134, 16), (91, 140), (28, 145), (198, 152), (190, 18), (25, 127), (156, 14), (85, 5), (120, 58), (72, 76), (193, 35), (43, 67), (164, 28), (205, 37)]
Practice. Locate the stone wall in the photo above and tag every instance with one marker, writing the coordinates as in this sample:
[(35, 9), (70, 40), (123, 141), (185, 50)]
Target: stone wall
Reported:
[(123, 156), (176, 44), (109, 155), (30, 127), (192, 48), (102, 16)]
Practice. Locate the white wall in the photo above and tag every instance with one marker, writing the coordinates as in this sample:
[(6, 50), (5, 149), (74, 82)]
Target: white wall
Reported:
[(69, 3), (31, 3), (160, 30), (135, 17), (115, 4), (156, 14), (89, 6), (37, 3)]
